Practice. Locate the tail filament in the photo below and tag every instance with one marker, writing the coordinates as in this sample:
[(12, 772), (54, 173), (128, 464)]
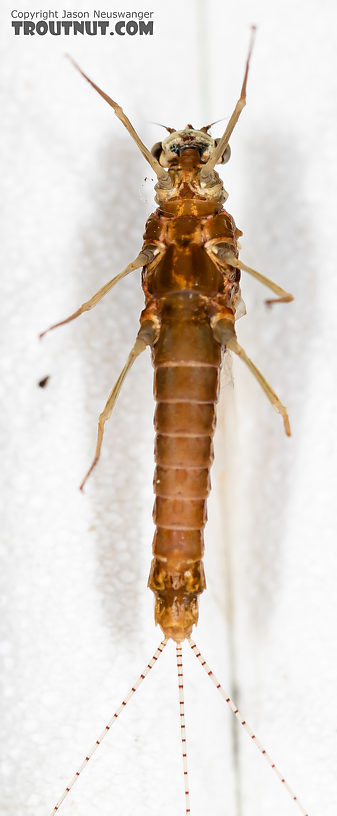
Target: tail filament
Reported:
[(109, 724), (245, 725), (182, 726)]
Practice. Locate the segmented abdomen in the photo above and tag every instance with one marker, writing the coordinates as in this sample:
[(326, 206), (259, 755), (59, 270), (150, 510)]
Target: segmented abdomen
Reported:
[(186, 360)]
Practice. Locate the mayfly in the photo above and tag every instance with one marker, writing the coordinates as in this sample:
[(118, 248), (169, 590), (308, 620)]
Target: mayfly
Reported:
[(191, 281)]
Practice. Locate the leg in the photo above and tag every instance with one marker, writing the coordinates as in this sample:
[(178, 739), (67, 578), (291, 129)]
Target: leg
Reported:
[(162, 175), (233, 345), (283, 296), (139, 346), (142, 259), (207, 170)]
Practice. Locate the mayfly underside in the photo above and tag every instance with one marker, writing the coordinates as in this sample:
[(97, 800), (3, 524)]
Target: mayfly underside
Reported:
[(191, 282)]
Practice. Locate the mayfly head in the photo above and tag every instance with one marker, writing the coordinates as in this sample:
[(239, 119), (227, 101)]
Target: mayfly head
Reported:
[(169, 151)]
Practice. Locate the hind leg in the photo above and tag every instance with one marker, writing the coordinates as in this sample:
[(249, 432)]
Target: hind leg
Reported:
[(224, 333), (234, 346), (137, 349)]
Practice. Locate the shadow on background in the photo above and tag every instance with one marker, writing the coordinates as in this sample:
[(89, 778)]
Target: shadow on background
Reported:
[(278, 340), (110, 239)]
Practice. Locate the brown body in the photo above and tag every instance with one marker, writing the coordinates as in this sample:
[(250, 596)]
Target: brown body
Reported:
[(191, 274), (192, 296), (186, 293)]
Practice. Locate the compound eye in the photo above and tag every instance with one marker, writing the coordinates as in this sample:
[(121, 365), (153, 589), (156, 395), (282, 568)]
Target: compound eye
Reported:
[(204, 152), (226, 154), (156, 150)]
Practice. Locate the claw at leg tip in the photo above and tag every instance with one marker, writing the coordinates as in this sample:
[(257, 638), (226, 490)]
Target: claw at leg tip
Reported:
[(287, 425)]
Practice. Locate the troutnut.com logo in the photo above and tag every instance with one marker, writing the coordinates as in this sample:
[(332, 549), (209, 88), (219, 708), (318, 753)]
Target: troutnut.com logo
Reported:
[(58, 22)]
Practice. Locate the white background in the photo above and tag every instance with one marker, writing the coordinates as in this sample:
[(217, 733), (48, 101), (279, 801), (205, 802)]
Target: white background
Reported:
[(77, 619)]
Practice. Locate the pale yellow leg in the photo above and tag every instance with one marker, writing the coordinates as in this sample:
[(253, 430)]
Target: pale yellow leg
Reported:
[(233, 345), (162, 175), (208, 169), (137, 349), (142, 259), (283, 296)]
